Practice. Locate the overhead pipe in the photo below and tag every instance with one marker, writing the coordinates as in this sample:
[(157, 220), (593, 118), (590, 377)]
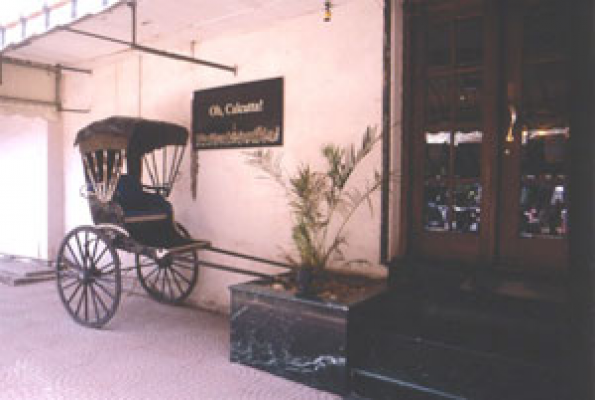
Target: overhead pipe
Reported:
[(132, 5)]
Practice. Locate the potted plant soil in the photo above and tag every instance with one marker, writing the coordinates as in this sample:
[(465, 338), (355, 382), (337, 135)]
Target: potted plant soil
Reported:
[(301, 325)]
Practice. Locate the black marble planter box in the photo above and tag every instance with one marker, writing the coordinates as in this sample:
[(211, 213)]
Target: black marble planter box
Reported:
[(304, 340)]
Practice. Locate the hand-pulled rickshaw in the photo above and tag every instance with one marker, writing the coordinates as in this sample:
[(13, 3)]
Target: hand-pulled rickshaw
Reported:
[(130, 166)]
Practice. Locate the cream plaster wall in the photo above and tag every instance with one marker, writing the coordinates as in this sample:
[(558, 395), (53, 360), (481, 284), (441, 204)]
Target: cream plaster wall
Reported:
[(24, 199), (333, 90), (55, 187), (31, 204), (22, 82), (31, 201)]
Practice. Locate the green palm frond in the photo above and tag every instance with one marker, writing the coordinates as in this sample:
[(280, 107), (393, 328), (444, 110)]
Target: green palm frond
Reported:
[(267, 162), (316, 199)]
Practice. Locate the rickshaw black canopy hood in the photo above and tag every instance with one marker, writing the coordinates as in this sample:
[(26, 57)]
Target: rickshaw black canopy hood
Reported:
[(137, 135)]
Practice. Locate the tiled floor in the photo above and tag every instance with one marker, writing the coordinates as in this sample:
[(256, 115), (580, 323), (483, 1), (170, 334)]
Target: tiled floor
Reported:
[(148, 351)]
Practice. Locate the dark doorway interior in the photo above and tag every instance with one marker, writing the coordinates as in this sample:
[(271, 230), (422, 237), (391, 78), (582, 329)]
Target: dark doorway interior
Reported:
[(483, 301), (489, 133)]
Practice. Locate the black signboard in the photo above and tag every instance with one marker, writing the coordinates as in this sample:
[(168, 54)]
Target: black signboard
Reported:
[(244, 115)]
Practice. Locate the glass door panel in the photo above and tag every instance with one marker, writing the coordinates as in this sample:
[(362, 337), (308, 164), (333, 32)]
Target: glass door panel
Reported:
[(489, 189), (534, 171), (439, 50), (543, 183), (469, 41), (453, 134), (450, 137), (468, 98)]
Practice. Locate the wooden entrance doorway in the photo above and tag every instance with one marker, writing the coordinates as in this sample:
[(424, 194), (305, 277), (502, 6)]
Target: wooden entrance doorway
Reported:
[(489, 134)]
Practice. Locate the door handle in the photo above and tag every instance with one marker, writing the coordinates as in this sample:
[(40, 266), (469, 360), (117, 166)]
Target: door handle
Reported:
[(513, 117)]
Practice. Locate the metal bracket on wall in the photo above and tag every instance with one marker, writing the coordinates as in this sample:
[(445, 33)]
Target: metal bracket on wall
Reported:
[(58, 93), (175, 56), (133, 44), (156, 52)]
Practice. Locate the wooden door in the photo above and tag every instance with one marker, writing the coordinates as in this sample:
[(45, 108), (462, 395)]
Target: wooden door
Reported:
[(489, 133), (534, 160), (453, 130)]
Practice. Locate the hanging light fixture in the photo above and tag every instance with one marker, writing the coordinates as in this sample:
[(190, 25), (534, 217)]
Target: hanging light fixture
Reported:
[(327, 10)]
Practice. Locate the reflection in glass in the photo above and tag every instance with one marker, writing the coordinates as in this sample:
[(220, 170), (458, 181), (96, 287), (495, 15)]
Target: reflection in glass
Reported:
[(469, 39), (452, 201), (436, 206), (543, 182), (544, 151), (438, 100), (542, 35), (543, 209), (453, 124), (467, 154), (545, 93), (437, 154), (469, 97), (467, 199), (439, 45)]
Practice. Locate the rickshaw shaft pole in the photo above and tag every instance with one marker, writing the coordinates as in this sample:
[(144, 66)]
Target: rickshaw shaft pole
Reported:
[(232, 269), (247, 257)]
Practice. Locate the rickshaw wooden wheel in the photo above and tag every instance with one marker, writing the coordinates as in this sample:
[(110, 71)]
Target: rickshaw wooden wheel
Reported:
[(171, 279), (88, 276)]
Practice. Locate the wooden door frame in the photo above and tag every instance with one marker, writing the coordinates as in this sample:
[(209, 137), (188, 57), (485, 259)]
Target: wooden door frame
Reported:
[(538, 255), (487, 237), (581, 191), (582, 203), (494, 111)]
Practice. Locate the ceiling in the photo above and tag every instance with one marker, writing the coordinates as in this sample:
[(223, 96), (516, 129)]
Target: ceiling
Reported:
[(158, 20)]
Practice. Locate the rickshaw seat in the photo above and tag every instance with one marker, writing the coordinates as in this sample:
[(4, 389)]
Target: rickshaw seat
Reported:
[(138, 205), (162, 235)]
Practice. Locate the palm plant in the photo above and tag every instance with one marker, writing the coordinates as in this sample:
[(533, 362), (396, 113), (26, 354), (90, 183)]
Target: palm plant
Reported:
[(322, 202)]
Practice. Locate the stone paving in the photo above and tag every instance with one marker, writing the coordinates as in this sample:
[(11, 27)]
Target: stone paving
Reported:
[(148, 351)]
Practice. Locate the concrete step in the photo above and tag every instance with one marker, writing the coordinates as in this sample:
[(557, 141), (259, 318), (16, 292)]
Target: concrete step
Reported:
[(373, 384), (401, 367), (433, 346), (16, 271)]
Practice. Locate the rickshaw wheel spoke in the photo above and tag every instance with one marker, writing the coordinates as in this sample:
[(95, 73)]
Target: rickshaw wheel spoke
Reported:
[(169, 281), (92, 292), (74, 293), (169, 285), (75, 261), (81, 280), (100, 300), (176, 282), (106, 291), (155, 282), (181, 276), (71, 284)]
